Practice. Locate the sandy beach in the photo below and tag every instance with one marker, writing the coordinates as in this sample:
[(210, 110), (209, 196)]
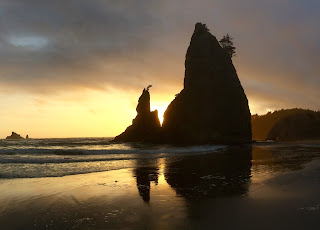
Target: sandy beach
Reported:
[(264, 186)]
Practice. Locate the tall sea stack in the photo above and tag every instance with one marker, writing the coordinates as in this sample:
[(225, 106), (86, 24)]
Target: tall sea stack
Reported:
[(146, 126), (212, 107)]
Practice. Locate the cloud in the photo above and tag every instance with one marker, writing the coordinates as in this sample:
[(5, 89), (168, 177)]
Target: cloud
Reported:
[(55, 46), (79, 43)]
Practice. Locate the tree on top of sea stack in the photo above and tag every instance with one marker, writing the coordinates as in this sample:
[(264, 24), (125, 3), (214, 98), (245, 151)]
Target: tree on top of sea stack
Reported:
[(227, 44)]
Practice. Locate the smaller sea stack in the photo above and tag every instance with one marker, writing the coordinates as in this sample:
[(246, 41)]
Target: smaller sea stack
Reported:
[(146, 126)]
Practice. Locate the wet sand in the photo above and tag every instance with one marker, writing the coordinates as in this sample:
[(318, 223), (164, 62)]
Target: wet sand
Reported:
[(264, 186)]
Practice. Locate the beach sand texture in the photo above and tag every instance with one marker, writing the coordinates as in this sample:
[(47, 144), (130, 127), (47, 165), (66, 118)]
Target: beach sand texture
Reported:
[(263, 186)]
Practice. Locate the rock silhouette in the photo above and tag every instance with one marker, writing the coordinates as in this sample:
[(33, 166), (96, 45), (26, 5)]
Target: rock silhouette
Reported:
[(211, 175), (286, 125), (146, 126), (14, 136), (144, 176), (300, 125), (212, 107)]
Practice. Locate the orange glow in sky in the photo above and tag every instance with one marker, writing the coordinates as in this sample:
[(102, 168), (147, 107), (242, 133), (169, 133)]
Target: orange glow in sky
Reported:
[(161, 107), (86, 114), (84, 79)]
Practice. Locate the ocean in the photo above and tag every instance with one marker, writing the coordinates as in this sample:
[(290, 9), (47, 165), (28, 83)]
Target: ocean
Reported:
[(51, 157), (91, 183)]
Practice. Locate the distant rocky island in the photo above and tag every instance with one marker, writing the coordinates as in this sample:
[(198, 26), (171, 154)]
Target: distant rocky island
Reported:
[(286, 125), (14, 136), (211, 108)]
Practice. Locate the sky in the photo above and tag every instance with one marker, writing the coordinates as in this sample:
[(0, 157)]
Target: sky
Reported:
[(76, 68)]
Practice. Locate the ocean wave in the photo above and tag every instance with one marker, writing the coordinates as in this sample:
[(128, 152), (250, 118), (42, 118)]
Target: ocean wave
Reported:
[(63, 142), (69, 156), (42, 156), (70, 162), (120, 150), (9, 171)]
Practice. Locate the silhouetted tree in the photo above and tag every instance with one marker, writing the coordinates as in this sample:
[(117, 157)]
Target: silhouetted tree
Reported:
[(205, 27), (149, 86), (201, 27), (227, 45)]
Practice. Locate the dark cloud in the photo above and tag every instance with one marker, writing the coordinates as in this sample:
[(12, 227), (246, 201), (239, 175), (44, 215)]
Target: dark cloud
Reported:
[(89, 43), (52, 46)]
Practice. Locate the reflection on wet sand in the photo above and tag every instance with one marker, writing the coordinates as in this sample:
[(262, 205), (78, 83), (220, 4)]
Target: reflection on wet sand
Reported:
[(145, 175), (270, 159), (227, 172), (223, 173), (199, 191)]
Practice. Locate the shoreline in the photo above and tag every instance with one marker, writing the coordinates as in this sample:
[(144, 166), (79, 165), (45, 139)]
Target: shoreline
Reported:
[(250, 184)]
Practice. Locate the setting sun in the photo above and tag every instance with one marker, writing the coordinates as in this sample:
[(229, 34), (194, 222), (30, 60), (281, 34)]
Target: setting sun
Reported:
[(161, 107)]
